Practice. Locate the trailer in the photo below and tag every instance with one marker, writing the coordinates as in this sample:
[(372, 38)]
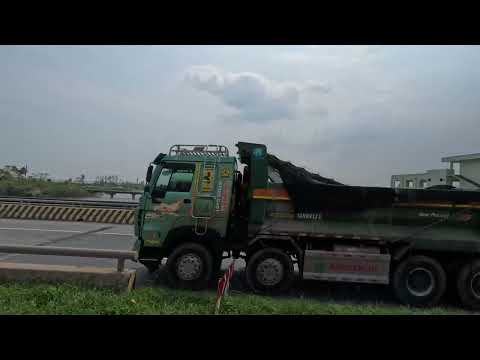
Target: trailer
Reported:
[(197, 206)]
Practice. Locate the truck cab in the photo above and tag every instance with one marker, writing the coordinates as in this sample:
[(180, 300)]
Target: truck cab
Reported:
[(184, 212)]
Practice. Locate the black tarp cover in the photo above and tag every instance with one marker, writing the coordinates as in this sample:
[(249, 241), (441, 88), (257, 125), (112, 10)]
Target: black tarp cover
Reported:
[(311, 192)]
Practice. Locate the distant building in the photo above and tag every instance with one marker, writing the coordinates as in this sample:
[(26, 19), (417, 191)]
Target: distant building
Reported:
[(469, 170), (465, 176), (423, 180)]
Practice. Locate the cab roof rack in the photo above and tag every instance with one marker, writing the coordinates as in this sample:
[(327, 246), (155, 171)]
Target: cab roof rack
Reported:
[(198, 150)]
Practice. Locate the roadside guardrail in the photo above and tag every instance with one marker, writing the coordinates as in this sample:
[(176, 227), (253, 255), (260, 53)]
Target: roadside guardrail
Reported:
[(120, 255), (119, 278)]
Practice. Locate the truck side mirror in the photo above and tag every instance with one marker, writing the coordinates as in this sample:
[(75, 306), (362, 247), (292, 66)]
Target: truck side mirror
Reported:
[(149, 173)]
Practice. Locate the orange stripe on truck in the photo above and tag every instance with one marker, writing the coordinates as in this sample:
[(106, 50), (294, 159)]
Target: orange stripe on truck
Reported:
[(271, 194), (438, 205), (282, 194)]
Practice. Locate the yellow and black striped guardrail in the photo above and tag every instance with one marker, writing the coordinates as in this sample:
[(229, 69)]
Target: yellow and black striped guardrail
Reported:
[(67, 213)]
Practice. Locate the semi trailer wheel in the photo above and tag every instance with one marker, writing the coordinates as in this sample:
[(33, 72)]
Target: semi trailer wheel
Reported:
[(270, 271), (190, 266), (419, 281), (468, 285)]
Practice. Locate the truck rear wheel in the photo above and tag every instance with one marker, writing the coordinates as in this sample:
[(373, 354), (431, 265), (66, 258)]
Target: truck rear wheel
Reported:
[(270, 271), (468, 285), (190, 266), (419, 281)]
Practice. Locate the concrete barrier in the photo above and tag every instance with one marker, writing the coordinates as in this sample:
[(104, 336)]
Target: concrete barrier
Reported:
[(80, 275), (67, 213)]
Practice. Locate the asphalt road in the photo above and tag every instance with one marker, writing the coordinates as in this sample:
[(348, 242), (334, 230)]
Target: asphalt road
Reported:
[(120, 237)]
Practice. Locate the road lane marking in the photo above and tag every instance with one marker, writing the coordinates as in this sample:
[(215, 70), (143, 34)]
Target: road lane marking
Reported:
[(64, 231), (109, 233)]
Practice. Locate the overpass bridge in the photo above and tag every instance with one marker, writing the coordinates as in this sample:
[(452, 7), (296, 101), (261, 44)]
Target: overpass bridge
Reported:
[(112, 191)]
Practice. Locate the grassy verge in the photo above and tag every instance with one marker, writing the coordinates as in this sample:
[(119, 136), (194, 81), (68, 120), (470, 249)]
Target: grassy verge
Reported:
[(29, 187), (67, 299)]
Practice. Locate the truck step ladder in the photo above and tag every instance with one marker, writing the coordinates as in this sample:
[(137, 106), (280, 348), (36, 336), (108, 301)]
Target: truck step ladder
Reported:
[(210, 168)]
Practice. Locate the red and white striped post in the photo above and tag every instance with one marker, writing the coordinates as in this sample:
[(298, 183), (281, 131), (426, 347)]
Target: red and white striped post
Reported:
[(223, 286)]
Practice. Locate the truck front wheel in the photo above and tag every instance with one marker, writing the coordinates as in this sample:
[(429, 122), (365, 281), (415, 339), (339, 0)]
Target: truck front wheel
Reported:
[(190, 266), (270, 271), (468, 285), (419, 281)]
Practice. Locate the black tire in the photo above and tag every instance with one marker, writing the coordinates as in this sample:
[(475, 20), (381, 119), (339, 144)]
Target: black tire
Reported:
[(419, 281), (280, 261), (188, 255), (468, 285)]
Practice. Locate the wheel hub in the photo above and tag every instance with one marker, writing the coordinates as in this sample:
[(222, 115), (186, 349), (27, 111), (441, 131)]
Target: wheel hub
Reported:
[(189, 267), (475, 285), (269, 272), (420, 282)]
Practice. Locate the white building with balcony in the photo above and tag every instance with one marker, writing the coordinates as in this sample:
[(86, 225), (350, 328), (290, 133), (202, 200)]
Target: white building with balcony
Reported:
[(468, 173), (422, 180), (464, 173)]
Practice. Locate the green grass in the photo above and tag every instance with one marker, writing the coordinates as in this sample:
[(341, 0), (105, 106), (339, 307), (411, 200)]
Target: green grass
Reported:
[(30, 187), (68, 300)]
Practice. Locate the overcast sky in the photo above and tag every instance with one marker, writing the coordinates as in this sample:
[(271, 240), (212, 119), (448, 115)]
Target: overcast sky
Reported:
[(355, 113)]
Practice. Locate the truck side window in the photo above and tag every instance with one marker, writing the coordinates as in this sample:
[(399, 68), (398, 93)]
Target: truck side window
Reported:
[(181, 180), (177, 178)]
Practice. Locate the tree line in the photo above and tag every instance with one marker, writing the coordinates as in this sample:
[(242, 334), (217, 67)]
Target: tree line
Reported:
[(12, 172)]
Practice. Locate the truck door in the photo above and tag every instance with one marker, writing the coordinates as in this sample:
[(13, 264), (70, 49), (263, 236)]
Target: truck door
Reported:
[(171, 202)]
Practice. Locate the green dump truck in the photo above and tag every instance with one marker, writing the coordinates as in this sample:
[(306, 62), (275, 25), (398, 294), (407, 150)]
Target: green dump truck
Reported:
[(198, 209)]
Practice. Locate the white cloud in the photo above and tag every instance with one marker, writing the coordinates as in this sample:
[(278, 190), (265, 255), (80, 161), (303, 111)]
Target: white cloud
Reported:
[(255, 97)]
